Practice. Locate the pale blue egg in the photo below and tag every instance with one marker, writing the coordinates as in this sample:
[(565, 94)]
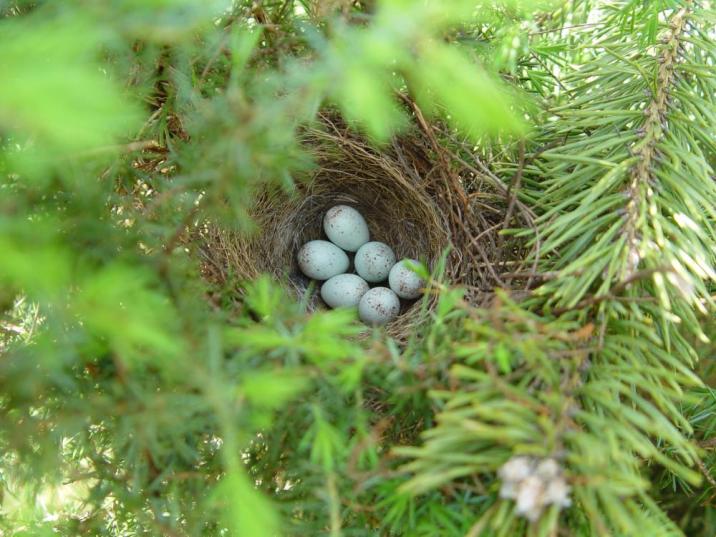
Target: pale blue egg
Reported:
[(404, 282), (373, 261), (345, 227), (344, 290), (378, 306), (322, 260)]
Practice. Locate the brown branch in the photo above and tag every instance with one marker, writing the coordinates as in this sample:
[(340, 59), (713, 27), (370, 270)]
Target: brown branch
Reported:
[(141, 145), (514, 186), (706, 473), (527, 214)]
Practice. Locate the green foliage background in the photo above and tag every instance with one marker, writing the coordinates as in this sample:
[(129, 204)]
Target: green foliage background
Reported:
[(137, 399)]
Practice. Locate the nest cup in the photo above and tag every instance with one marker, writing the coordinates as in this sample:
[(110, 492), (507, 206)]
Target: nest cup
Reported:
[(403, 195)]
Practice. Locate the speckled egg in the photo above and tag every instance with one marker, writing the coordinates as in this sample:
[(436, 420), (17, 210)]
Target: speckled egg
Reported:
[(346, 227), (378, 306), (404, 282), (344, 290), (322, 260), (373, 261)]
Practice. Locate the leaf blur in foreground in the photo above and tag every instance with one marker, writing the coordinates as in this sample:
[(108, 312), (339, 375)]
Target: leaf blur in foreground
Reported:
[(403, 48), (53, 90)]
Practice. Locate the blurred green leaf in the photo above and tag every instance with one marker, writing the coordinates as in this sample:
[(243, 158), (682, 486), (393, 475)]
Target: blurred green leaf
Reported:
[(53, 88), (264, 296), (474, 100), (117, 303), (244, 508), (259, 338), (327, 442), (366, 98), (41, 270), (243, 43), (326, 334), (502, 356), (273, 388)]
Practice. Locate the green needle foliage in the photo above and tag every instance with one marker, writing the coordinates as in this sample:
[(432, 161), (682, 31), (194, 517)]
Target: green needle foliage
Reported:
[(137, 398)]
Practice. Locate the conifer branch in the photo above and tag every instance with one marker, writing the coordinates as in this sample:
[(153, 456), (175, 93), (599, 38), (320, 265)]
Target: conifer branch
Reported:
[(640, 189)]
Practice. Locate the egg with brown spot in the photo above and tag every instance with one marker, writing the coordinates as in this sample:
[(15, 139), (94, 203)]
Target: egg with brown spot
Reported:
[(344, 290), (345, 227), (378, 306), (322, 260), (373, 261), (404, 282)]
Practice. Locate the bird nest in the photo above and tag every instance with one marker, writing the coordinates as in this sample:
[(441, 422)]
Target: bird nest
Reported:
[(415, 196)]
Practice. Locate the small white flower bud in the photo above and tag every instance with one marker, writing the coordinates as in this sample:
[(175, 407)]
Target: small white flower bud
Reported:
[(508, 490), (558, 493), (516, 469), (548, 469), (533, 484), (529, 498)]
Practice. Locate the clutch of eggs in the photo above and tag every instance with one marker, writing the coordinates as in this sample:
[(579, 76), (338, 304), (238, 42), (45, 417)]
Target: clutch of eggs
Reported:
[(374, 262)]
